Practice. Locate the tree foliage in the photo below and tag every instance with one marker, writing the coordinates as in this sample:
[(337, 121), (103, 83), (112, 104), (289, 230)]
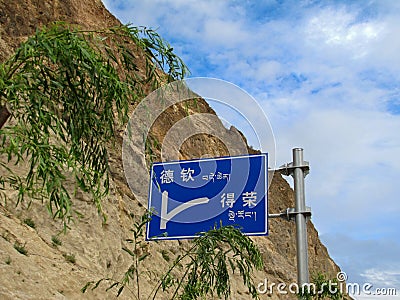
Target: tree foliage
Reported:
[(64, 92), (201, 271), (214, 255)]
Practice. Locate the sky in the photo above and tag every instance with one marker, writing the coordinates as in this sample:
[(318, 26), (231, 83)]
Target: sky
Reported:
[(326, 74)]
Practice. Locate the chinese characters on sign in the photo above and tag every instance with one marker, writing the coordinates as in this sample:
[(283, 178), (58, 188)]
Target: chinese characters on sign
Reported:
[(167, 176), (189, 197), (187, 174)]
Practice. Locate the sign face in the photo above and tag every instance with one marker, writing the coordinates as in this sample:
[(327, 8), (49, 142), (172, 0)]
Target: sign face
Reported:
[(190, 197)]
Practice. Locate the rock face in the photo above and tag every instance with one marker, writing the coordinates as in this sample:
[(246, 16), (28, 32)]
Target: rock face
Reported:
[(91, 250)]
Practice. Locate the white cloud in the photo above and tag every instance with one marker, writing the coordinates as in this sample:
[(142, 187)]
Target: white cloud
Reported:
[(228, 34), (386, 278), (336, 35), (337, 30), (353, 157), (268, 70)]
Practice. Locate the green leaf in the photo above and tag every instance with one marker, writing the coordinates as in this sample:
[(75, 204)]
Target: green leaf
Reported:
[(120, 290), (128, 251), (62, 87), (142, 257), (87, 285), (111, 286)]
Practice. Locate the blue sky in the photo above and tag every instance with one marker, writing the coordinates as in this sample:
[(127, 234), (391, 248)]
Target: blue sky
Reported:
[(327, 75)]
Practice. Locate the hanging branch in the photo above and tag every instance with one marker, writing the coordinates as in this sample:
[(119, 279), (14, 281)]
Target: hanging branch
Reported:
[(62, 89)]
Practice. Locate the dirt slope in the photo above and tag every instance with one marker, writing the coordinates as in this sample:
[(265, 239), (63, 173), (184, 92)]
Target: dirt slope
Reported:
[(48, 271)]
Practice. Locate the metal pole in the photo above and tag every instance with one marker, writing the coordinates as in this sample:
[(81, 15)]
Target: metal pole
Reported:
[(301, 222)]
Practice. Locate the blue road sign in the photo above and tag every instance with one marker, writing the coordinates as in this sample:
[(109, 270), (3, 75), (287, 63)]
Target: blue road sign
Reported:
[(193, 196)]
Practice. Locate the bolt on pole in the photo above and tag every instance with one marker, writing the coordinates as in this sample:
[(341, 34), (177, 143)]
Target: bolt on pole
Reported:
[(301, 221)]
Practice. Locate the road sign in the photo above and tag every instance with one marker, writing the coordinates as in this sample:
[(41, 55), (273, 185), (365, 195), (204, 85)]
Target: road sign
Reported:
[(193, 196)]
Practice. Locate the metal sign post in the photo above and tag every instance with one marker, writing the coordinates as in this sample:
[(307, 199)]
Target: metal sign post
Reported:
[(298, 169)]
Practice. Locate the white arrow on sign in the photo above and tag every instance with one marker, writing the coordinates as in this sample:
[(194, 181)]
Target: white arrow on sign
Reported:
[(166, 216)]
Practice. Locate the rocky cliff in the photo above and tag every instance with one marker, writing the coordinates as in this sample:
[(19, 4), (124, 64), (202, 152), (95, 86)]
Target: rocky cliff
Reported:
[(91, 249)]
